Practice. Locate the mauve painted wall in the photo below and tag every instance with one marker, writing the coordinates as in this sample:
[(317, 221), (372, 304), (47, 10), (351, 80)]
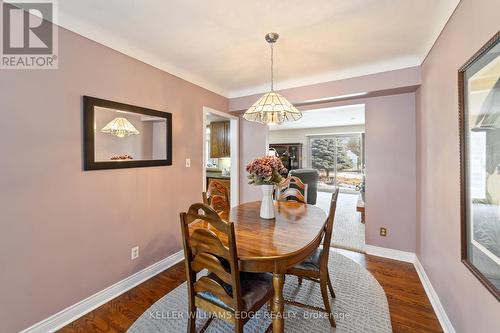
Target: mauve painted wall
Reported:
[(468, 304), (390, 171), (253, 143), (67, 233), (406, 77), (390, 167)]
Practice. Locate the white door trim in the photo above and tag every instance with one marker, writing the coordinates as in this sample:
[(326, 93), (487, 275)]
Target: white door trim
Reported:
[(235, 153)]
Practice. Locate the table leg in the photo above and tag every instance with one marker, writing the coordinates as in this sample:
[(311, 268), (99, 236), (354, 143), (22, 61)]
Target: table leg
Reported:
[(277, 304)]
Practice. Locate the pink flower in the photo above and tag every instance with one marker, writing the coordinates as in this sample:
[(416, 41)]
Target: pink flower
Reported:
[(266, 170)]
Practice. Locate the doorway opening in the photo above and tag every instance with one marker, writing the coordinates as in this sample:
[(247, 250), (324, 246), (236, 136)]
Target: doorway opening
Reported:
[(221, 151), (329, 142)]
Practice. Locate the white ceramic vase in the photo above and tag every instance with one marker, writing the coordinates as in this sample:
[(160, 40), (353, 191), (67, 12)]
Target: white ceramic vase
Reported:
[(267, 205)]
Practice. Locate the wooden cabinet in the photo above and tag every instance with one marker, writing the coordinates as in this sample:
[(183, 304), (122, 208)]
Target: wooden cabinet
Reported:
[(289, 153), (220, 139)]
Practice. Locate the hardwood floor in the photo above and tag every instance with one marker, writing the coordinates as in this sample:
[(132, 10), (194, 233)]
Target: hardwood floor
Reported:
[(409, 306), (411, 310)]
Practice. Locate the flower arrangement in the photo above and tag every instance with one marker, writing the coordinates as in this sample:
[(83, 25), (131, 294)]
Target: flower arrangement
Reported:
[(266, 170), (121, 157), (361, 186)]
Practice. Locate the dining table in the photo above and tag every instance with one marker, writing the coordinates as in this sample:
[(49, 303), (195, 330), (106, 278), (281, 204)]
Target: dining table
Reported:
[(273, 245)]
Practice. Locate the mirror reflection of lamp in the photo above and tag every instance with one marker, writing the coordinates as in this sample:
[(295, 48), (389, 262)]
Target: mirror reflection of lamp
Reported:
[(489, 114), (120, 127)]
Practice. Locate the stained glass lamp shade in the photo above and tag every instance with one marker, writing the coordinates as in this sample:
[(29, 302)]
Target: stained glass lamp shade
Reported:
[(272, 108), (489, 116), (120, 127)]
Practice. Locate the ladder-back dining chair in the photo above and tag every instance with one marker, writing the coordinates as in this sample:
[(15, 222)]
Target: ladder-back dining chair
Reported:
[(217, 197), (224, 292), (292, 189), (315, 267)]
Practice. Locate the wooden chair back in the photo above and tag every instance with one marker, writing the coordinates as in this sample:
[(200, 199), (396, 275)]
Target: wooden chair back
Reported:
[(217, 196), (327, 240), (292, 188), (204, 250)]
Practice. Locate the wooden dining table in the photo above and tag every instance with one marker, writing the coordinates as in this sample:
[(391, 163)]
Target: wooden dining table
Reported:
[(273, 245)]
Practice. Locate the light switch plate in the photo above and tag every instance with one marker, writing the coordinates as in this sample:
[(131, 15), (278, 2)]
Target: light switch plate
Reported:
[(188, 162)]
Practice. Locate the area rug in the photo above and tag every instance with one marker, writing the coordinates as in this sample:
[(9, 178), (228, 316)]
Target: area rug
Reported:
[(348, 231), (360, 306)]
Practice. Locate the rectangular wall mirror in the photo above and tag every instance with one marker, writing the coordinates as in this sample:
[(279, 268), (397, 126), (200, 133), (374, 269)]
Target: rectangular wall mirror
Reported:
[(479, 87), (118, 135)]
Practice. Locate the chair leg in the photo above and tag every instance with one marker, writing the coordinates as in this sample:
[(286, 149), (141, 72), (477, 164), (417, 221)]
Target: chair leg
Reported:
[(330, 286), (192, 320), (299, 279), (238, 326), (326, 301), (207, 323)]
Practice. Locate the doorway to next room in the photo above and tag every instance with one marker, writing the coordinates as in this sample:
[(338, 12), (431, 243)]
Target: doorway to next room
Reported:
[(220, 152), (330, 144)]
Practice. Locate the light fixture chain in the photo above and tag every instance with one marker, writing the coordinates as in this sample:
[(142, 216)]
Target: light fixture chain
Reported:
[(272, 67), (272, 108)]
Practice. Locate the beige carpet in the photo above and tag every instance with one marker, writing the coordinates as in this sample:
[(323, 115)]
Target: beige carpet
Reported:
[(348, 231)]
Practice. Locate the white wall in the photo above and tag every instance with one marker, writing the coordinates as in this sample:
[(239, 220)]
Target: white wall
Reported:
[(159, 142), (301, 136)]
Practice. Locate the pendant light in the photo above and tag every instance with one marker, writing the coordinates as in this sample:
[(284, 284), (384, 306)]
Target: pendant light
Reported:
[(272, 108), (120, 127)]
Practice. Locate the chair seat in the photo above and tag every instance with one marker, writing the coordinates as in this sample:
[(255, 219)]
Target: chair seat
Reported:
[(254, 287), (311, 263)]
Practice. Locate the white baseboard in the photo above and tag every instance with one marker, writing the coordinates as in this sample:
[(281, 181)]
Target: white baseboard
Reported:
[(433, 297), (70, 314), (424, 279), (390, 253), (75, 311)]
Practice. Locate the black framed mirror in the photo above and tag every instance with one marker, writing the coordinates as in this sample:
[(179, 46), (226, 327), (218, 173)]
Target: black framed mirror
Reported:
[(479, 112), (118, 135)]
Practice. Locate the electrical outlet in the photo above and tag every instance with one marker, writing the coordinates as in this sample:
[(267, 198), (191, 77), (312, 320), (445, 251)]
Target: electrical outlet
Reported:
[(134, 253), (188, 162), (383, 231)]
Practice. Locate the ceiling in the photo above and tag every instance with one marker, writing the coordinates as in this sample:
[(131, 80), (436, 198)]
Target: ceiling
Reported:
[(219, 44), (326, 117)]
